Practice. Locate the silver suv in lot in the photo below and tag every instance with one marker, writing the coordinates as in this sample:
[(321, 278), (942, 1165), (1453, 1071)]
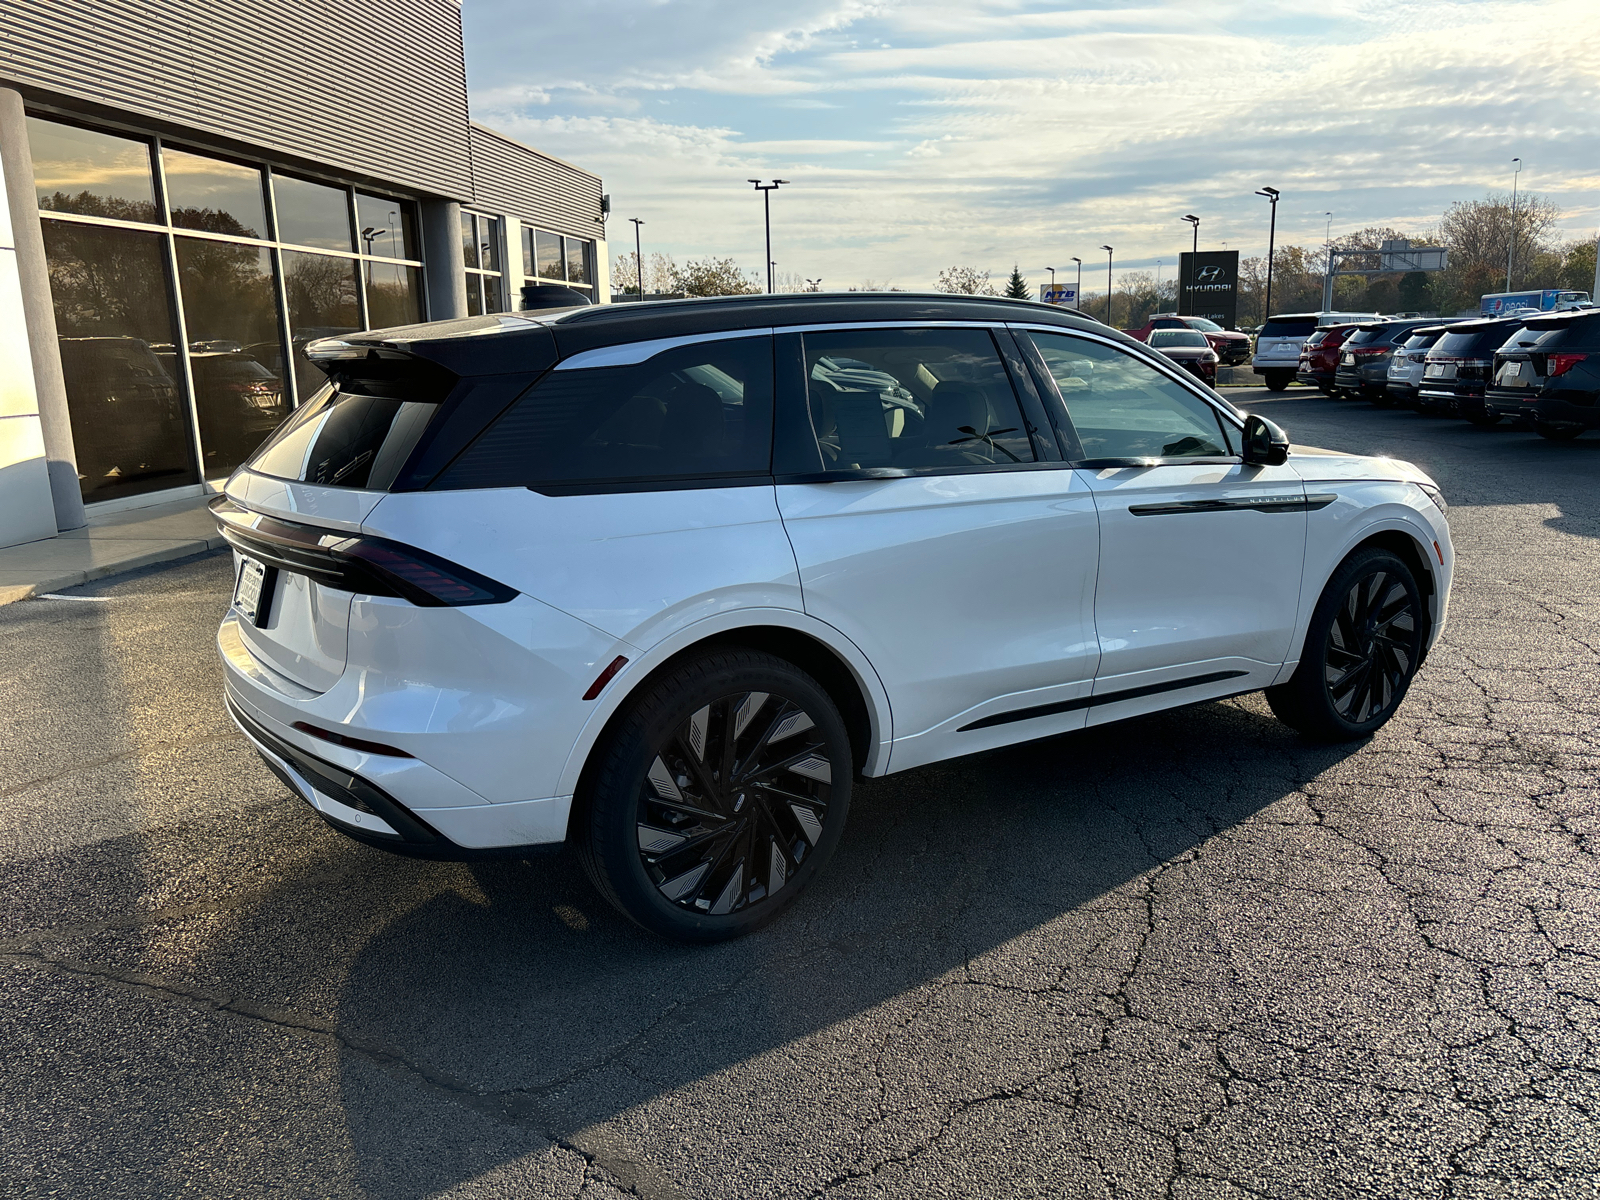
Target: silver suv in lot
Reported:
[(664, 579), (1278, 344)]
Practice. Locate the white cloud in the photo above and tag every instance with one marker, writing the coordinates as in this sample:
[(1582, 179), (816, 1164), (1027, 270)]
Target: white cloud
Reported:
[(988, 131)]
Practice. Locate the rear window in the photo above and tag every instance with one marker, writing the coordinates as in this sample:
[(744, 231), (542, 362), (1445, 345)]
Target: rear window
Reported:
[(345, 439), (1469, 342), (1366, 337), (1421, 341), (696, 412), (1204, 325), (1288, 327), (1178, 337)]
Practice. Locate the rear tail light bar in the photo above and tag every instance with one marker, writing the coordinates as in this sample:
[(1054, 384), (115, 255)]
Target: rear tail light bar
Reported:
[(1560, 364), (356, 562)]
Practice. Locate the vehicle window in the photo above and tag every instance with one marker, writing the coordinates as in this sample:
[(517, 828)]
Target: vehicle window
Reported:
[(1178, 337), (1288, 327), (345, 439), (697, 411), (1123, 407), (1167, 323), (1365, 337), (1204, 325), (912, 398)]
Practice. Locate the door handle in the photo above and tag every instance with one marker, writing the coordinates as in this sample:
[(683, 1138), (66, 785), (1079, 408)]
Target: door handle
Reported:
[(1262, 504)]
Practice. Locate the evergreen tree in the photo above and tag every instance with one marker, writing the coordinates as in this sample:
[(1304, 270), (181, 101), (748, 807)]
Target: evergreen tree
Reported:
[(1017, 286)]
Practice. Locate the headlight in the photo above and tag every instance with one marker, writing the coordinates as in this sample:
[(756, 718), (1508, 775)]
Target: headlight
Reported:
[(1434, 494)]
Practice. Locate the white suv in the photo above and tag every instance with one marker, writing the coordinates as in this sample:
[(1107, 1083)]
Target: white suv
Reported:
[(663, 579), (1278, 344)]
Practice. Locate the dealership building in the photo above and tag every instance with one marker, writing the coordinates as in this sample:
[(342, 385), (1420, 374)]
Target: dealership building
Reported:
[(194, 191)]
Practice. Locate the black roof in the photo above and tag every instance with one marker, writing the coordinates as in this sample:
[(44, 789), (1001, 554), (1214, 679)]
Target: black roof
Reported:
[(477, 345)]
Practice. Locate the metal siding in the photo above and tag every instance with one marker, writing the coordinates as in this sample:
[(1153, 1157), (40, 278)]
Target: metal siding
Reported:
[(514, 180), (374, 88)]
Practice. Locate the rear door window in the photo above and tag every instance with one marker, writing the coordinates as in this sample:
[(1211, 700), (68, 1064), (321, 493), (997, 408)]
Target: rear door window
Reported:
[(915, 399), (689, 414), (1123, 408)]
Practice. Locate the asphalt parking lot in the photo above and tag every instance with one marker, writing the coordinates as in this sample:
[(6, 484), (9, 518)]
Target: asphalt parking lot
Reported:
[(1189, 956)]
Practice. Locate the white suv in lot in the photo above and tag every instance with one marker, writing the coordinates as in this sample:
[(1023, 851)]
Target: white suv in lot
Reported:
[(663, 579), (1278, 344)]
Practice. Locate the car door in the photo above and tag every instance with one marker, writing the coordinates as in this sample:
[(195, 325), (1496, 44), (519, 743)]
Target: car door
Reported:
[(937, 525), (1200, 554)]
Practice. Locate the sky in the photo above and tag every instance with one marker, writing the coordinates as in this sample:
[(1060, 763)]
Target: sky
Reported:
[(925, 134)]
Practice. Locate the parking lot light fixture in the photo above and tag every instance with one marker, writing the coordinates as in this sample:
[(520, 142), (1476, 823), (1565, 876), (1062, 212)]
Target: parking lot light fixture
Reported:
[(638, 254), (1078, 296), (1511, 242), (1272, 195), (1108, 251), (1194, 223), (1052, 271), (814, 285), (766, 190)]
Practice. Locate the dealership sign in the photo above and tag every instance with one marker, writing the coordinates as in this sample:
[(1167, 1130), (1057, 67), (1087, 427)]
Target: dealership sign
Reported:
[(1064, 294), (1208, 286)]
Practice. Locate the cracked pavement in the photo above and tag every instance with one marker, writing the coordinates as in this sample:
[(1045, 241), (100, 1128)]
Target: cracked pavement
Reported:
[(1188, 956)]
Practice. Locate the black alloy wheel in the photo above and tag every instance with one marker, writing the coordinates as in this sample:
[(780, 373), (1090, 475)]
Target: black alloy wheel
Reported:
[(723, 792), (1361, 652), (1555, 431)]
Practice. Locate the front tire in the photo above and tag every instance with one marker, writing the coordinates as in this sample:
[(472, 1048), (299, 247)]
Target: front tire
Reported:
[(718, 797), (1361, 652)]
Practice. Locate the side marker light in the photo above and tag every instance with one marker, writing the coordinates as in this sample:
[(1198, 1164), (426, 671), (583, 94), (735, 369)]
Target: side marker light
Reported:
[(605, 677), (1439, 552)]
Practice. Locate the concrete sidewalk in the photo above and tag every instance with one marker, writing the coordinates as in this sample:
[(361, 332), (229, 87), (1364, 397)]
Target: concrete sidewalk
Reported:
[(108, 545)]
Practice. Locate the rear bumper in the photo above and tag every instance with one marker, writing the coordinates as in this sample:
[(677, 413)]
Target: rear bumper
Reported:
[(1563, 412)]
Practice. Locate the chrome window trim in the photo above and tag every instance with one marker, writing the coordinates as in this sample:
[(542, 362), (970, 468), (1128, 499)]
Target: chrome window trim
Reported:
[(628, 354)]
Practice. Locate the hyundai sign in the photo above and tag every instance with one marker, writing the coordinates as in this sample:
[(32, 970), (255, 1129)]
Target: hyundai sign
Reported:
[(1065, 293), (1208, 286)]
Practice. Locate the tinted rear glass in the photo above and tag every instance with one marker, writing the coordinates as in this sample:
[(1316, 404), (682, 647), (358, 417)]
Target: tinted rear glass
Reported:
[(1288, 327), (1421, 341), (344, 439), (1469, 342), (1365, 337), (1192, 338), (702, 411)]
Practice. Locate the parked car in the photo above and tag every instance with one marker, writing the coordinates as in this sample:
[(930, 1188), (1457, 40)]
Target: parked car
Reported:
[(1319, 357), (1277, 354), (1455, 374), (637, 577), (1549, 371), (1189, 348), (1406, 365), (1232, 347), (128, 418), (1363, 367)]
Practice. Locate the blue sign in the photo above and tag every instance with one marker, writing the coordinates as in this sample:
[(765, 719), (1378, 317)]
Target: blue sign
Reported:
[(1065, 294)]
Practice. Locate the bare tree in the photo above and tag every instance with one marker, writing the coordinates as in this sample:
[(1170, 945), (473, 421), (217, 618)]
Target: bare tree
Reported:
[(965, 281), (659, 273), (715, 277)]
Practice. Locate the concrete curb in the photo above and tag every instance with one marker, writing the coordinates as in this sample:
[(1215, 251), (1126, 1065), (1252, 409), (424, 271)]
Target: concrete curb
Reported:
[(12, 593)]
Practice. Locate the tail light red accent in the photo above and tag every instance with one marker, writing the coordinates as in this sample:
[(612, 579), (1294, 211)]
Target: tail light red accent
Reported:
[(350, 743), (605, 677), (1560, 364)]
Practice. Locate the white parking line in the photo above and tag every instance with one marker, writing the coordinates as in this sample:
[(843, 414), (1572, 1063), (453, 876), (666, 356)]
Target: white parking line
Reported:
[(86, 599)]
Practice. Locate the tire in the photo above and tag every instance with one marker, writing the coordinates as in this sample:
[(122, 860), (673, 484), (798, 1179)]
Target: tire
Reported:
[(738, 855), (1278, 381), (1557, 433), (1383, 400), (1361, 651), (1481, 417)]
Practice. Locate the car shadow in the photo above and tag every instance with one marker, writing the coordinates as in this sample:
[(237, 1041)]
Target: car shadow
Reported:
[(534, 1001)]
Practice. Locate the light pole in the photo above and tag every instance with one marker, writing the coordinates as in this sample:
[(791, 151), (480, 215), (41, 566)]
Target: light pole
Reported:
[(1052, 271), (1327, 276), (1511, 246), (1108, 251), (1078, 295), (766, 190), (814, 284), (1272, 233), (1195, 222), (638, 254)]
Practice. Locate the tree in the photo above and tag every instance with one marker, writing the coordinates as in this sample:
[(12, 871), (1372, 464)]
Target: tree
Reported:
[(1577, 266), (659, 274), (1017, 286), (964, 281), (1479, 234), (714, 277)]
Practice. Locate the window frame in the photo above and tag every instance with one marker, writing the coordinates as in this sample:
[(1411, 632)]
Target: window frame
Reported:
[(797, 458), (1229, 419)]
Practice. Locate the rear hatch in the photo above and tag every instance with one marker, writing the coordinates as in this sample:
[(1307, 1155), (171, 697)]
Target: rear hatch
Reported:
[(395, 411), (1462, 360), (1282, 337), (1547, 349)]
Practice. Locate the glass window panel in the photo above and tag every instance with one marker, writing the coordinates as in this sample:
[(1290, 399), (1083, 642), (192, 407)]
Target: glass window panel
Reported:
[(492, 295), (469, 240), (527, 253), (346, 439), (312, 214), (1125, 408), (489, 243), (394, 294), (697, 411), (236, 358), (112, 301), (547, 251), (322, 303), (210, 194), (474, 295), (83, 171), (386, 227), (578, 262), (916, 398)]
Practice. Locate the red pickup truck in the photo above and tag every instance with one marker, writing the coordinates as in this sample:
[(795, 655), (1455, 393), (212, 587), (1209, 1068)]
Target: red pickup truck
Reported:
[(1232, 348)]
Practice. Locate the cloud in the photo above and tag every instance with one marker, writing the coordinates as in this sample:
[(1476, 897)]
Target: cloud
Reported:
[(987, 131)]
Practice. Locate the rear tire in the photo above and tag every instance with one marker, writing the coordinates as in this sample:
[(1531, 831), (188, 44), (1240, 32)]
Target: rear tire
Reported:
[(1361, 651), (1278, 381), (1557, 433), (1383, 400), (718, 796), (1482, 418)]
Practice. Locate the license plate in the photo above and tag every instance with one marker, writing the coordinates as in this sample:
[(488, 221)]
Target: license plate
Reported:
[(1347, 360), (252, 593), (1440, 371)]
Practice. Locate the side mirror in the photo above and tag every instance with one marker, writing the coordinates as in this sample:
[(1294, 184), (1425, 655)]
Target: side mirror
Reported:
[(1265, 445)]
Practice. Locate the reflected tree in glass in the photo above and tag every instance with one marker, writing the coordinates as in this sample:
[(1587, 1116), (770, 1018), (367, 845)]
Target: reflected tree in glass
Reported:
[(322, 293)]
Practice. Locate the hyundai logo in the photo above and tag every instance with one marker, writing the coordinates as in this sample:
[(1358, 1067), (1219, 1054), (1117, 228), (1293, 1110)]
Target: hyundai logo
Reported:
[(1212, 274)]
